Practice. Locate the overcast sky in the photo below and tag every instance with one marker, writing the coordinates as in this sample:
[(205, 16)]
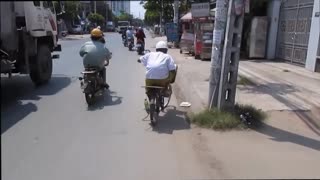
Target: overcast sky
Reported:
[(135, 8)]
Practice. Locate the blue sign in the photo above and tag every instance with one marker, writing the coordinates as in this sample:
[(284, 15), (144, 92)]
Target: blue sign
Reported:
[(172, 32)]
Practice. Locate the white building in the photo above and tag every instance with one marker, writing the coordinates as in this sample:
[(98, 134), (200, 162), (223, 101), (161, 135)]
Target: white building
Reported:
[(118, 6)]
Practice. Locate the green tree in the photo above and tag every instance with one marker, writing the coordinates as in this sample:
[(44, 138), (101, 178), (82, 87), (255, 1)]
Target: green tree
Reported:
[(71, 9), (125, 17), (96, 18), (153, 11)]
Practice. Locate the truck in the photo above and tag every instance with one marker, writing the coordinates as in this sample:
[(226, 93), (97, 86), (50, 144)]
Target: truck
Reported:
[(28, 39), (110, 26), (123, 25)]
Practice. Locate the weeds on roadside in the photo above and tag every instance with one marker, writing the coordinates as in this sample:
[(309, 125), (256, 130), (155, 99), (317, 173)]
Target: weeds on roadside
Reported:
[(224, 120), (245, 81)]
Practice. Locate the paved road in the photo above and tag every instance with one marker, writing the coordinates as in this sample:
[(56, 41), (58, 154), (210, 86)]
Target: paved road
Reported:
[(49, 132)]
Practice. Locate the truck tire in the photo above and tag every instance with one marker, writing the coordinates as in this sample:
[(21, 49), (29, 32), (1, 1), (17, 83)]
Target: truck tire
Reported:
[(41, 65)]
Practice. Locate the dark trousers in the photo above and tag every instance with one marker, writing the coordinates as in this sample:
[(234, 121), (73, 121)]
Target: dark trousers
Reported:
[(103, 74)]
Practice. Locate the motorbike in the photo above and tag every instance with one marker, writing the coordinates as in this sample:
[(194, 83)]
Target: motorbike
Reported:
[(140, 46), (130, 43), (92, 84), (124, 41)]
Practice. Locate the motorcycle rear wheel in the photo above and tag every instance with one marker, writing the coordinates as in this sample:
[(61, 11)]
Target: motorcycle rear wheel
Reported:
[(90, 98)]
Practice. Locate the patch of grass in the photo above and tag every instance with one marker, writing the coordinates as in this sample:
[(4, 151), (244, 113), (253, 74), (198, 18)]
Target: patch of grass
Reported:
[(258, 116), (225, 120), (245, 81)]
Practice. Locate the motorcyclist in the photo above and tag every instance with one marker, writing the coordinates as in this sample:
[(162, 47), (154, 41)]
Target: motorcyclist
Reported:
[(160, 66), (95, 54), (140, 35), (129, 33), (102, 39), (124, 33)]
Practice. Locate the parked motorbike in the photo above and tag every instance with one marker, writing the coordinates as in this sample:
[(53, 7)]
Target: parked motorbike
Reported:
[(140, 46), (92, 84), (130, 43)]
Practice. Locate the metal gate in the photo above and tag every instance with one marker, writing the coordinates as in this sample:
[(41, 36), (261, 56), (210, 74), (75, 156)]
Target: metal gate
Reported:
[(294, 29)]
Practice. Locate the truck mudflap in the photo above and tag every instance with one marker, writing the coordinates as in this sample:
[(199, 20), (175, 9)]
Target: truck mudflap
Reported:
[(57, 48)]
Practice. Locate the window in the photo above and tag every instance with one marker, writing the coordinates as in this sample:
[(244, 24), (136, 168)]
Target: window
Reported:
[(36, 3)]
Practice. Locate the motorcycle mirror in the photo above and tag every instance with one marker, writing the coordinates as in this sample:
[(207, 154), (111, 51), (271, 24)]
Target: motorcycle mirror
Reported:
[(80, 78), (139, 61)]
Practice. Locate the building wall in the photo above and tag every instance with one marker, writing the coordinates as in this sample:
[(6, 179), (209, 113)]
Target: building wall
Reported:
[(118, 6), (313, 45)]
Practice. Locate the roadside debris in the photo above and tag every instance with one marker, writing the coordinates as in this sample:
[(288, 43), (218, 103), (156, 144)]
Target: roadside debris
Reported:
[(185, 104)]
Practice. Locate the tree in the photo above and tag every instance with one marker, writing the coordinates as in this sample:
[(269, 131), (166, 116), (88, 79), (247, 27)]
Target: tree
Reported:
[(96, 18), (71, 9), (153, 11), (125, 17)]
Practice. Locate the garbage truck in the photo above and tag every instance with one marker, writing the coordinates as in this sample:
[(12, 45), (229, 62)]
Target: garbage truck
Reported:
[(28, 39)]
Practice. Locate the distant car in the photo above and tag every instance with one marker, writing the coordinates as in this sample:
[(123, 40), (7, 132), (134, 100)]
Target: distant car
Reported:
[(110, 28), (77, 29)]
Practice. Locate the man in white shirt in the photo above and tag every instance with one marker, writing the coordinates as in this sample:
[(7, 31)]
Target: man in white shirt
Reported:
[(161, 69)]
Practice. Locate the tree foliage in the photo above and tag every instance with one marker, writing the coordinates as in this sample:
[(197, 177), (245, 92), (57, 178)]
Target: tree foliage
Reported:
[(96, 18), (125, 17), (71, 9), (153, 11)]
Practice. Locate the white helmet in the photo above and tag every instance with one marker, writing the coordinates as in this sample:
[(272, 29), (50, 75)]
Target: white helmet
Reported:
[(161, 45), (99, 27)]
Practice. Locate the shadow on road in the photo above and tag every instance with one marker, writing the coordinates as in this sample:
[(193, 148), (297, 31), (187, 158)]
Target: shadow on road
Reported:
[(278, 92), (109, 98), (285, 136), (172, 120), (20, 88)]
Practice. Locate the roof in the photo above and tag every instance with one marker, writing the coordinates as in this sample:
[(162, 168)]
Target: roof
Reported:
[(187, 16)]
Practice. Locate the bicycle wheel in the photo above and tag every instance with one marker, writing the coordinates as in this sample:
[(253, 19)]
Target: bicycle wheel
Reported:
[(166, 100), (153, 112)]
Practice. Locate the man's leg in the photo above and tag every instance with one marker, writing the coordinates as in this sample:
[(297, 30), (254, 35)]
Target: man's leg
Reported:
[(103, 74)]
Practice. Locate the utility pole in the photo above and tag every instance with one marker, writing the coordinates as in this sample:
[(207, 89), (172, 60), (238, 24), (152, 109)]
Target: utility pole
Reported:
[(231, 55), (161, 16), (176, 11), (225, 57), (107, 6), (95, 6), (217, 49)]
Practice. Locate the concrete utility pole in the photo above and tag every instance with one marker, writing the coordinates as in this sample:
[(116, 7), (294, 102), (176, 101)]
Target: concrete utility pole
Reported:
[(95, 6), (217, 49), (176, 11), (107, 7), (161, 16), (231, 55), (225, 59)]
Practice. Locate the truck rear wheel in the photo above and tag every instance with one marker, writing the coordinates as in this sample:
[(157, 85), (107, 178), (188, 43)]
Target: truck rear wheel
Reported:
[(41, 66)]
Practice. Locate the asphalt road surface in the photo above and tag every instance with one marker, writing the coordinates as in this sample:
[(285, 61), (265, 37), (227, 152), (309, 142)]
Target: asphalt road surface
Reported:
[(49, 133)]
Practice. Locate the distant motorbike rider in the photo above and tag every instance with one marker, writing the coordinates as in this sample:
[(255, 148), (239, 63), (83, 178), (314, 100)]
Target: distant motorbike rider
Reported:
[(95, 54), (129, 33), (160, 66), (140, 35), (124, 33)]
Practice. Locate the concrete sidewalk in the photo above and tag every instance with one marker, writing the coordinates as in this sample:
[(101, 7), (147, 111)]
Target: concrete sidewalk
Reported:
[(289, 144), (277, 86)]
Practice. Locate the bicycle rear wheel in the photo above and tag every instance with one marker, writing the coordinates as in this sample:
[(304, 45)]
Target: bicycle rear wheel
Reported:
[(166, 100)]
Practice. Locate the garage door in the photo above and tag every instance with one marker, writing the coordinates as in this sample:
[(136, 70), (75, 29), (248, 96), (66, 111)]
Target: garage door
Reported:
[(294, 28)]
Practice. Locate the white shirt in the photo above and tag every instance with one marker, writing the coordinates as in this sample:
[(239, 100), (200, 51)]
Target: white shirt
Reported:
[(158, 65)]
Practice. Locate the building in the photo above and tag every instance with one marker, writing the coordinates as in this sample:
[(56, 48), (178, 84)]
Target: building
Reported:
[(118, 6), (294, 36)]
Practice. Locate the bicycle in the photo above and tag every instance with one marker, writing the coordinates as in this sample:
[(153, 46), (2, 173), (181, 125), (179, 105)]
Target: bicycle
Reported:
[(159, 99)]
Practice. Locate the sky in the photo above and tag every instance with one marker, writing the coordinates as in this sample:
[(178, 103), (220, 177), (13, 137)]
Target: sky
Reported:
[(135, 8)]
